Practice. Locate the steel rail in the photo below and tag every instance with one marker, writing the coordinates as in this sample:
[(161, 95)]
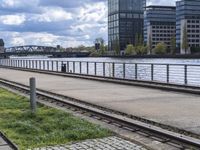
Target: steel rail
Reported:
[(165, 136)]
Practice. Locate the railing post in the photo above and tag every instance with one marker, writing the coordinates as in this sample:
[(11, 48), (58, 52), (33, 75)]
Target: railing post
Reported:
[(87, 68), (52, 65), (167, 73), (104, 70), (136, 71), (48, 65), (186, 74), (29, 63), (36, 62), (95, 68), (26, 63), (124, 70), (113, 69), (40, 65), (57, 66), (44, 68), (74, 69), (152, 72), (33, 64), (80, 67), (68, 66)]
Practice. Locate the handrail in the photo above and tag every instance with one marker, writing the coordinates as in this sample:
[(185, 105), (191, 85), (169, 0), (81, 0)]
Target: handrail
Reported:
[(46, 59), (185, 74)]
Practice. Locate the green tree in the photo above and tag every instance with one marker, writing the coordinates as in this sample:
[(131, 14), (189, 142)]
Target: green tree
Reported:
[(173, 45), (185, 45), (130, 50), (160, 48), (142, 50)]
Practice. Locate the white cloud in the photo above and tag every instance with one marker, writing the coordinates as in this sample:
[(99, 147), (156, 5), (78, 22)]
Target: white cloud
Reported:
[(75, 26), (18, 3), (52, 14), (13, 19), (18, 41), (93, 12)]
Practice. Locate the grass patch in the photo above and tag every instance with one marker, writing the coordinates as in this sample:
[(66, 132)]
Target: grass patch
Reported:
[(48, 127)]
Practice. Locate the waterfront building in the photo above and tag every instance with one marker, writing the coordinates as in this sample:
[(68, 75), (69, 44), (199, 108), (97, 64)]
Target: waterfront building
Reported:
[(1, 46), (188, 25), (159, 25), (125, 22)]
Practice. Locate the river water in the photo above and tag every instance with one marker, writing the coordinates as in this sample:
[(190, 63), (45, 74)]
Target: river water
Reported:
[(176, 72)]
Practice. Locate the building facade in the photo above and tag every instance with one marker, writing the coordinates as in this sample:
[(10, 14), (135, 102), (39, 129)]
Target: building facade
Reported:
[(125, 21), (188, 25), (159, 26), (1, 46)]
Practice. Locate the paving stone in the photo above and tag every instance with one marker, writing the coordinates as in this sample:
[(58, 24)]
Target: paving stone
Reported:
[(6, 147), (2, 141), (110, 143)]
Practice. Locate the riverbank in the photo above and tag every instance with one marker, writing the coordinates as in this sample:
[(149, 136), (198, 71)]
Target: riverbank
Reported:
[(47, 127)]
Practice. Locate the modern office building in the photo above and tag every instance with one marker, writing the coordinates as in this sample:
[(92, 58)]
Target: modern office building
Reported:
[(159, 25), (125, 21), (188, 25), (1, 46)]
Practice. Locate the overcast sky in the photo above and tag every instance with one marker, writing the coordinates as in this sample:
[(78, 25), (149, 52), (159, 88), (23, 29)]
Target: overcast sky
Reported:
[(67, 23)]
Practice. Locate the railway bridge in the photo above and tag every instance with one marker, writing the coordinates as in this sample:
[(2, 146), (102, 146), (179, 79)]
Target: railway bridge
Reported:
[(29, 50)]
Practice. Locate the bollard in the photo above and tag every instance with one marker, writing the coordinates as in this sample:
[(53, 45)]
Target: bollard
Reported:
[(33, 100)]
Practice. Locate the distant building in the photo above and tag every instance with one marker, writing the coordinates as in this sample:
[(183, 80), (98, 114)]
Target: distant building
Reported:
[(188, 19), (125, 21), (1, 46), (159, 25)]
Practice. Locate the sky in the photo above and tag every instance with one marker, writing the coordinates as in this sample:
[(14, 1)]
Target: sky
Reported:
[(69, 23)]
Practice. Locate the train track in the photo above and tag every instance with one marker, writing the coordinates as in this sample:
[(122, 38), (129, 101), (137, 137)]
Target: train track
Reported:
[(177, 140)]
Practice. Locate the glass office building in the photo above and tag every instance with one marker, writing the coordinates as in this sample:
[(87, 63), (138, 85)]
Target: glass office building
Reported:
[(159, 25), (188, 18), (125, 21)]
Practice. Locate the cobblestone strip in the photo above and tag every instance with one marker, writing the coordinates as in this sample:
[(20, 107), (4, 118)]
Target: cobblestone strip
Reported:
[(4, 145), (110, 143)]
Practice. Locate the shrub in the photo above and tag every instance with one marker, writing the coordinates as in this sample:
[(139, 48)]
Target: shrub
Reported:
[(160, 48), (130, 50)]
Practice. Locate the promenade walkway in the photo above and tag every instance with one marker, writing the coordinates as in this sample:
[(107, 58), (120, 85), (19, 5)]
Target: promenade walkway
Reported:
[(170, 108)]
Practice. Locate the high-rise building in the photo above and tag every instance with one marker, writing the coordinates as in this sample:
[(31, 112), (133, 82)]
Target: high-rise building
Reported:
[(1, 46), (159, 25), (125, 22), (188, 25)]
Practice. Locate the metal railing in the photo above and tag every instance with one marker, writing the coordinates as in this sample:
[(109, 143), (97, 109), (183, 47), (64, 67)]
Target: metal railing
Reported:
[(181, 74)]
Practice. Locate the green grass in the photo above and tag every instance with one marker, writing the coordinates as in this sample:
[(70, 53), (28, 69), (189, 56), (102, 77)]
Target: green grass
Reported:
[(47, 127)]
